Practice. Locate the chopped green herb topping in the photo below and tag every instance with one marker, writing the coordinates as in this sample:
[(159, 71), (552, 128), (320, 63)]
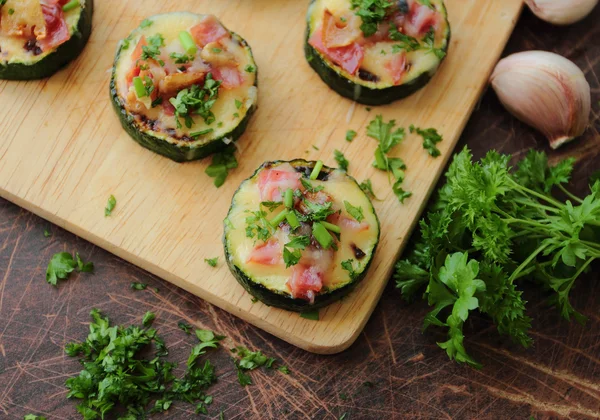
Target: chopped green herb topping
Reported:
[(138, 286), (63, 264), (221, 164), (367, 187), (341, 160), (356, 212), (186, 328), (312, 315), (148, 318), (372, 13), (250, 360), (212, 261), (430, 138), (196, 101), (292, 251), (250, 68), (146, 23), (110, 205), (350, 135), (258, 226)]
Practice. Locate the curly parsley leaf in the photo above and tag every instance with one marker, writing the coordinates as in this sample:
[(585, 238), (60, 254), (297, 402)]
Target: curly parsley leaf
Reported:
[(497, 228)]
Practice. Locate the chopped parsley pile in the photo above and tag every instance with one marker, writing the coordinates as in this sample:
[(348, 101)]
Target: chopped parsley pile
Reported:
[(125, 372), (490, 230), (389, 137)]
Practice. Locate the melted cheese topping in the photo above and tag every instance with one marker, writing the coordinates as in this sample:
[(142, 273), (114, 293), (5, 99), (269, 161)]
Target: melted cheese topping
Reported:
[(377, 56), (12, 47), (275, 277), (227, 111)]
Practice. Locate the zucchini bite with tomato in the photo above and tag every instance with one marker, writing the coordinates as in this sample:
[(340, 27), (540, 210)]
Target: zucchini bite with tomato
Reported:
[(183, 85), (300, 235), (375, 61), (37, 38)]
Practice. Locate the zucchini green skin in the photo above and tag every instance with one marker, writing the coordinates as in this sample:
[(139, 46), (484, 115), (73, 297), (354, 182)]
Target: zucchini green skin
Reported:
[(282, 300), (63, 55), (365, 95), (177, 152)]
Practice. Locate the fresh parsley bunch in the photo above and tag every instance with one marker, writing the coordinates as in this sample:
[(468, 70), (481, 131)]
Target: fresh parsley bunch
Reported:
[(492, 228)]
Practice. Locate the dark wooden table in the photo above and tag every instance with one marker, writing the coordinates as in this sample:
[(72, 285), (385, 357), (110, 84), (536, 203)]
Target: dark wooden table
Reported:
[(392, 372)]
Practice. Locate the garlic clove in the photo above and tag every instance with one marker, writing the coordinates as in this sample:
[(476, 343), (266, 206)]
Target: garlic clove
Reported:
[(561, 12), (546, 91)]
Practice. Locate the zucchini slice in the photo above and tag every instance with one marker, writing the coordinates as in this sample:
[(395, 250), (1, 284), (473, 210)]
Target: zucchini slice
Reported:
[(38, 38), (183, 85), (375, 63), (299, 243)]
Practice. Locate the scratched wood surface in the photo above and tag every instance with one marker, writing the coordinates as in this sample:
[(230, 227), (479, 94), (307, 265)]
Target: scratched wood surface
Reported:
[(410, 376), (62, 152)]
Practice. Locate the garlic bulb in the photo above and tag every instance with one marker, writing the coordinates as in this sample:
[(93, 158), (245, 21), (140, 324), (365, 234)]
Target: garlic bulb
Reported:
[(561, 12), (546, 91)]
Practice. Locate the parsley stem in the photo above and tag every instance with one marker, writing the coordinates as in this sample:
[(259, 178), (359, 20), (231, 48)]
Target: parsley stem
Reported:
[(331, 227), (279, 218), (571, 195), (292, 219), (138, 85), (322, 236), (527, 261), (288, 198), (71, 5), (525, 191), (537, 205), (188, 43), (316, 170)]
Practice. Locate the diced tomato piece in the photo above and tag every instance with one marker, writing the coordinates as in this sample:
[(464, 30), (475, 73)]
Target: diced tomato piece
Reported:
[(349, 57), (230, 77), (135, 56), (139, 49), (397, 67), (305, 282), (420, 20), (268, 253), (273, 182), (209, 30), (340, 34), (57, 31), (134, 72), (168, 107)]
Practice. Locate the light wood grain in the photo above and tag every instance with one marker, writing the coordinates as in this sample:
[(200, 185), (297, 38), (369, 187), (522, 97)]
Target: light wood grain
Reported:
[(63, 152)]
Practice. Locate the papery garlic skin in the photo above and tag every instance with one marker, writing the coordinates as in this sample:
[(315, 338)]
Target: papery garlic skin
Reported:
[(546, 91), (561, 12)]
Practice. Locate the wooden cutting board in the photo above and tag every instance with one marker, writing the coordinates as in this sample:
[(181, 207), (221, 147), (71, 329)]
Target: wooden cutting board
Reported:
[(63, 152)]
